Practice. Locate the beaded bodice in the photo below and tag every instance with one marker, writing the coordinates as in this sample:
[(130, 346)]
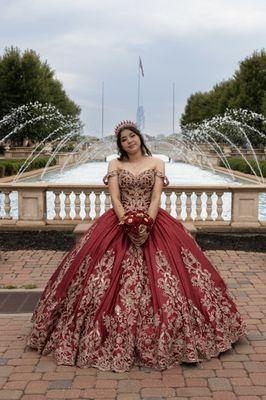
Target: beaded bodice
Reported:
[(136, 190)]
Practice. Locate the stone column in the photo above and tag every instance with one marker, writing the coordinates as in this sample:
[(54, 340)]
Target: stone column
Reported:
[(31, 205), (245, 203)]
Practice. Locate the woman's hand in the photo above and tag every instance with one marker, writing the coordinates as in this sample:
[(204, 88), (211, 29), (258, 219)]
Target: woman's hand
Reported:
[(138, 240)]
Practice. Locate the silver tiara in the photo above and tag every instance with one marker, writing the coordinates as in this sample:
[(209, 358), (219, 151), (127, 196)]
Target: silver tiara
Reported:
[(124, 124)]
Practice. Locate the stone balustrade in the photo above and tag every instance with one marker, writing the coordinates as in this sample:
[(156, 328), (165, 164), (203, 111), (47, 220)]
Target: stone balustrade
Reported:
[(63, 206)]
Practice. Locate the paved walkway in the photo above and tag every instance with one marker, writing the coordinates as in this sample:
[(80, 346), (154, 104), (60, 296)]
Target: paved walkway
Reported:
[(24, 267), (239, 373)]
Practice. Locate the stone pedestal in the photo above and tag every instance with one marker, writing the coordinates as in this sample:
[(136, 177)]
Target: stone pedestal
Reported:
[(244, 208), (32, 206)]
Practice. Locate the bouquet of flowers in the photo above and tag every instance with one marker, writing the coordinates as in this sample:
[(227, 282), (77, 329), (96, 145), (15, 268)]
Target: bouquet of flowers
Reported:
[(137, 222)]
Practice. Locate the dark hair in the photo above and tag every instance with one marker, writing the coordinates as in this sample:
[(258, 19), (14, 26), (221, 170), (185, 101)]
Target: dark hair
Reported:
[(122, 153)]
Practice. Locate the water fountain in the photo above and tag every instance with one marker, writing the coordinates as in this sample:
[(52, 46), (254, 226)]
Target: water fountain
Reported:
[(208, 129), (186, 147), (25, 115)]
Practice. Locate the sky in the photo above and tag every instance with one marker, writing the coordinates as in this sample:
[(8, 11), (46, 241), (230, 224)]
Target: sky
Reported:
[(191, 43)]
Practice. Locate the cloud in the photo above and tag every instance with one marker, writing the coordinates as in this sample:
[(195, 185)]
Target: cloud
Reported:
[(193, 43), (102, 23), (71, 81)]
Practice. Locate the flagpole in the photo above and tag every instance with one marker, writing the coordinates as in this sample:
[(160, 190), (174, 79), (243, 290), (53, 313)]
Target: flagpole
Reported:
[(102, 108), (173, 108), (138, 86)]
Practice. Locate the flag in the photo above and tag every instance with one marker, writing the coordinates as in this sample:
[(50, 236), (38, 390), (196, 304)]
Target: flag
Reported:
[(141, 67)]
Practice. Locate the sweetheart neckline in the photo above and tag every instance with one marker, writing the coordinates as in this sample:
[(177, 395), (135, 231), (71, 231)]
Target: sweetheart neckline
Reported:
[(136, 176)]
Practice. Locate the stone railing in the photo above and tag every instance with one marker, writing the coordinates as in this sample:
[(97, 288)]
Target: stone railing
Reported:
[(63, 206)]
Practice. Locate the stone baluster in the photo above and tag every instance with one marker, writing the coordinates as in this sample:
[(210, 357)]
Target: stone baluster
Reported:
[(219, 206), (198, 205), (107, 202), (57, 204), (178, 205), (7, 204), (97, 203), (209, 205), (77, 205), (67, 204), (87, 205), (168, 202), (188, 205)]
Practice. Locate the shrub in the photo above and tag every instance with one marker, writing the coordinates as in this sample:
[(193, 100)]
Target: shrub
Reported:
[(10, 286), (30, 286), (11, 167), (239, 164)]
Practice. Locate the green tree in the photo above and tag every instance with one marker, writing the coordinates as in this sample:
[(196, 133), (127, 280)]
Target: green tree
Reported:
[(246, 90), (24, 78), (198, 108), (250, 83)]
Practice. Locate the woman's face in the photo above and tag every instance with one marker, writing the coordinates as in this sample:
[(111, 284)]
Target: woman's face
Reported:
[(130, 141)]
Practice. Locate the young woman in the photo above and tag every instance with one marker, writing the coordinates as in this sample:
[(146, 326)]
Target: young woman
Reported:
[(137, 289)]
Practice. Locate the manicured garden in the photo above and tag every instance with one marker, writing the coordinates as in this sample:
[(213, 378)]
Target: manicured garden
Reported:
[(12, 167), (239, 164)]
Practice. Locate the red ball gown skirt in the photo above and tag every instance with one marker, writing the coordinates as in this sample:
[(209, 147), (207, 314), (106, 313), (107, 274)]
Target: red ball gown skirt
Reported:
[(111, 305)]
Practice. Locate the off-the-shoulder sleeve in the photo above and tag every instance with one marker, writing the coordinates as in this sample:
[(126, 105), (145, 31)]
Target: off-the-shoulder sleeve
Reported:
[(108, 175), (161, 175)]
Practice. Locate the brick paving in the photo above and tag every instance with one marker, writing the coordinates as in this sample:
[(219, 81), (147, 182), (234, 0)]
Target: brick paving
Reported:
[(24, 267), (239, 373)]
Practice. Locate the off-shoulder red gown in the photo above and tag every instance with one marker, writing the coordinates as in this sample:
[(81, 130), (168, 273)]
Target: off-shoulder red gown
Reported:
[(111, 304)]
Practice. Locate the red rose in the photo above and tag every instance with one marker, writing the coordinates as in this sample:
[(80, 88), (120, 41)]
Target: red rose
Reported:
[(136, 221)]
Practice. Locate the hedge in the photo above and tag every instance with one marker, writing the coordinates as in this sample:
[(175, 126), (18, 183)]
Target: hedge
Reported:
[(11, 167), (239, 164)]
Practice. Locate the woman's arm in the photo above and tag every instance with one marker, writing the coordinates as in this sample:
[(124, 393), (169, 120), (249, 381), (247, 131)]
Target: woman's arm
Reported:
[(157, 189), (114, 190), (160, 181), (111, 178)]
